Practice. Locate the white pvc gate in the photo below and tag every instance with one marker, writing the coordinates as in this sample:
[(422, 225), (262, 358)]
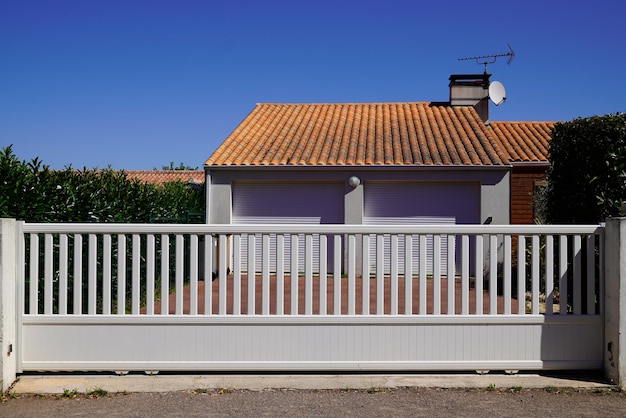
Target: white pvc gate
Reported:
[(90, 300)]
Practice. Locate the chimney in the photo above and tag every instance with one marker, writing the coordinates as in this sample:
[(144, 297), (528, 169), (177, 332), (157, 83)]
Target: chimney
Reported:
[(471, 90)]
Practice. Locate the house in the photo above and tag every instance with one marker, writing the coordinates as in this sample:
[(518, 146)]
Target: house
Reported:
[(373, 163), (526, 145), (166, 176)]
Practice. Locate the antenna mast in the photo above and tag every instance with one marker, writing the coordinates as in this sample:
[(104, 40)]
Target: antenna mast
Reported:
[(490, 59)]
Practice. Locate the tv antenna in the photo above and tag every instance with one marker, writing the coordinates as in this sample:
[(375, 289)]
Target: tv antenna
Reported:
[(490, 59)]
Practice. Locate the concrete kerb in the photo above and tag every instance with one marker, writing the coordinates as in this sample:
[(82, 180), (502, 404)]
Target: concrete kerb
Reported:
[(58, 384)]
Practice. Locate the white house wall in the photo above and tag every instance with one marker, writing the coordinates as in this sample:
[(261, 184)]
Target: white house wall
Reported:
[(494, 186)]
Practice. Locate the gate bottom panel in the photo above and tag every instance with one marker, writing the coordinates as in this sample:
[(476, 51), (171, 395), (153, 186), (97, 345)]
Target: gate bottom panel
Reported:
[(529, 342)]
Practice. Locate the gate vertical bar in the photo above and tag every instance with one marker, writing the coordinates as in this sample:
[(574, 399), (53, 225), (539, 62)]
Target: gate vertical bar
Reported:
[(365, 275), (422, 275), (493, 274), (136, 272), (437, 274), (180, 263), (549, 274), (165, 274), (78, 274), (236, 274), (121, 275), (521, 274), (280, 274), (507, 274), (323, 274), (150, 275), (48, 284), (33, 282), (451, 276), (535, 275), (63, 274), (393, 276), (478, 281), (351, 274), (106, 274), (408, 274), (465, 259), (193, 274)]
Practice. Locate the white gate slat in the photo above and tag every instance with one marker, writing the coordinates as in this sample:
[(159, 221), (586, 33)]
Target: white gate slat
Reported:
[(535, 275), (393, 277), (193, 274), (179, 279), (408, 275), (437, 275), (280, 274), (422, 275), (380, 275), (136, 274), (34, 275), (493, 274), (337, 275), (294, 274), (63, 274), (150, 260), (451, 275), (223, 273), (521, 275), (48, 267), (563, 274), (577, 283), (351, 274), (251, 274), (91, 274), (106, 274), (549, 274), (121, 273), (465, 260), (236, 275), (478, 277), (78, 274), (591, 274), (165, 274), (323, 283), (265, 276), (506, 285), (209, 262), (308, 275), (365, 274)]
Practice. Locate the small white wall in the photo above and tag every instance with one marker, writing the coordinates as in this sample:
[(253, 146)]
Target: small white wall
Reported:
[(8, 314)]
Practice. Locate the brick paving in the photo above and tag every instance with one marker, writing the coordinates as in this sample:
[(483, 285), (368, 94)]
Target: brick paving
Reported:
[(315, 300)]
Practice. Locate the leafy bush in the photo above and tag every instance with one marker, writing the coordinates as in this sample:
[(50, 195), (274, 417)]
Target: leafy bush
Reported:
[(587, 175), (34, 193)]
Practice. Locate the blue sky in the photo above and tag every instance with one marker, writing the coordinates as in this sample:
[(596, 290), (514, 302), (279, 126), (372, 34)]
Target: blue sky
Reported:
[(137, 84)]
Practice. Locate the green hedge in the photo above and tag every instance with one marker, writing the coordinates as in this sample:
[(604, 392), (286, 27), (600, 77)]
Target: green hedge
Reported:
[(30, 191), (587, 175)]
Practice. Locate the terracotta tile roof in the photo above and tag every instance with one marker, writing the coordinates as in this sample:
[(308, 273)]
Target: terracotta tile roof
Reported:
[(164, 176), (523, 141), (365, 134)]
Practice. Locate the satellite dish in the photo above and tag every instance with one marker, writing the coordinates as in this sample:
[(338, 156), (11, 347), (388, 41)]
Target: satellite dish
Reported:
[(497, 93)]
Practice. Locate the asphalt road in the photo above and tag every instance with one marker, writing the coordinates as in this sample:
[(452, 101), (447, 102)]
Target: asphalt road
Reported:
[(372, 402)]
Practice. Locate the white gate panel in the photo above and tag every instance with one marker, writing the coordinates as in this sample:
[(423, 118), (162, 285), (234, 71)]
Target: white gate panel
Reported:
[(531, 342), (287, 203)]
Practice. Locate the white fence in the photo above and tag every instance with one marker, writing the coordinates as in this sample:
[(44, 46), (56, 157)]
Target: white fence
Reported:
[(132, 297)]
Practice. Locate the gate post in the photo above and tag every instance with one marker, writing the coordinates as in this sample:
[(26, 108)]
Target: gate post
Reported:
[(615, 300), (8, 305)]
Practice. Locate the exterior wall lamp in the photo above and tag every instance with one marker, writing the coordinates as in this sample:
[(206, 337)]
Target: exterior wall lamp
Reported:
[(354, 181)]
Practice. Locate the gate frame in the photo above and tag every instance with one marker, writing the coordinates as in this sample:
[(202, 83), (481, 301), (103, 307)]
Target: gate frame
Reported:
[(11, 257)]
